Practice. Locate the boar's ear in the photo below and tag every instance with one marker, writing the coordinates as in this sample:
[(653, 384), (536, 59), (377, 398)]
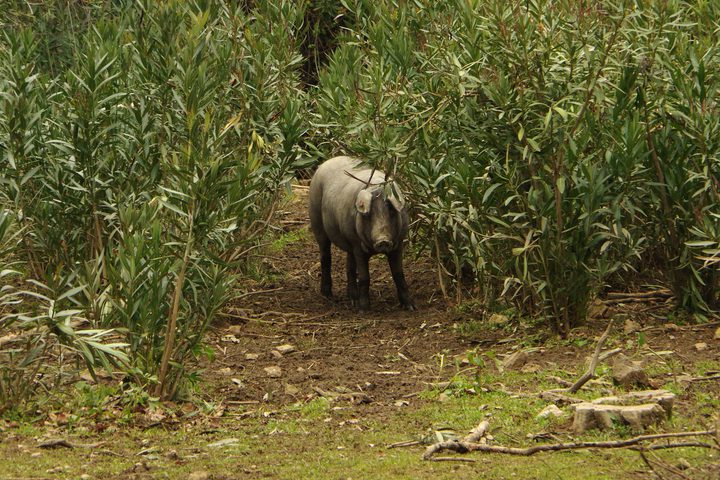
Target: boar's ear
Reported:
[(363, 202), (397, 204), (396, 198)]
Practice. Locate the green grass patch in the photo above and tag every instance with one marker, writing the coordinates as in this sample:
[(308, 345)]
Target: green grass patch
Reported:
[(324, 440), (285, 239)]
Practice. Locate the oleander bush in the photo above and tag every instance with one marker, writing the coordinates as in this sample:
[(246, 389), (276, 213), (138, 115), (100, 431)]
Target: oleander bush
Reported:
[(547, 148), (143, 165), (546, 145)]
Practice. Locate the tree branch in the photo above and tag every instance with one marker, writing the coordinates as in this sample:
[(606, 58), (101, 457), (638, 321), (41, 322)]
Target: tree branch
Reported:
[(590, 374)]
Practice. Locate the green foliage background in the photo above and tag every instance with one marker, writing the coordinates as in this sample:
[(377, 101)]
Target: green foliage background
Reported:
[(547, 149)]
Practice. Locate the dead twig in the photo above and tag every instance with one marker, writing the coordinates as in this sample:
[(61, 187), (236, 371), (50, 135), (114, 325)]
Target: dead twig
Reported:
[(461, 446), (665, 446), (590, 373), (704, 379), (649, 465), (406, 443), (62, 443), (652, 294), (257, 292), (451, 459), (558, 397), (609, 353), (110, 453), (367, 183), (464, 447), (674, 470)]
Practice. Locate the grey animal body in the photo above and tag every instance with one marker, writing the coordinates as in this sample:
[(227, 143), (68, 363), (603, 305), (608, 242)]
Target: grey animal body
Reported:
[(359, 219)]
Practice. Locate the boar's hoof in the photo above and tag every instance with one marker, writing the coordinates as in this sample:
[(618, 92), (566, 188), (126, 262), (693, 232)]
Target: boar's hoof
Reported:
[(410, 307)]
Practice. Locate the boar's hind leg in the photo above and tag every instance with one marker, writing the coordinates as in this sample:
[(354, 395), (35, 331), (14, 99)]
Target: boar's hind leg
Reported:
[(396, 268), (352, 286), (325, 267), (362, 260)]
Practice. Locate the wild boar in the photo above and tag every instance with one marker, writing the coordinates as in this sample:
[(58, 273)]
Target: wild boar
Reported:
[(350, 209)]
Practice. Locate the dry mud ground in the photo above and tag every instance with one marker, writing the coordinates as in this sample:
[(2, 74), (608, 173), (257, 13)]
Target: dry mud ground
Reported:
[(390, 354)]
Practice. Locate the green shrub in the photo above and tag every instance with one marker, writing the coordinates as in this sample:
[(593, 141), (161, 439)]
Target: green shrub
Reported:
[(147, 166), (542, 143)]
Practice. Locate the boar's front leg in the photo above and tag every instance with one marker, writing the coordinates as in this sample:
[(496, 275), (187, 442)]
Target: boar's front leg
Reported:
[(325, 267), (362, 261), (396, 268), (352, 286)]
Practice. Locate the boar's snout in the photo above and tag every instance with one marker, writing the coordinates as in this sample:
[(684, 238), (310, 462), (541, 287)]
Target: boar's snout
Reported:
[(383, 245)]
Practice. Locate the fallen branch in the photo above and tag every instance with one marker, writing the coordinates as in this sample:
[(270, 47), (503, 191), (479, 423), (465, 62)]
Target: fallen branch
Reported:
[(664, 446), (451, 459), (465, 447), (557, 397), (406, 443), (62, 443), (461, 446), (704, 379), (609, 353), (655, 294), (256, 292), (590, 374), (664, 465), (611, 301)]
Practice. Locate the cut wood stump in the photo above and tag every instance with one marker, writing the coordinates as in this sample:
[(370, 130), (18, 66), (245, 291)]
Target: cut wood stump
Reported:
[(591, 415), (664, 398)]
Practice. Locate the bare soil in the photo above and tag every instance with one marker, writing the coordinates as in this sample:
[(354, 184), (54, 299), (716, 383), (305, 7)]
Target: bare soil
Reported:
[(390, 354)]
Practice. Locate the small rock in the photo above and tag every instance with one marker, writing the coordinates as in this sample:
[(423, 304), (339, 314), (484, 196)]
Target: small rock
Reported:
[(549, 411), (683, 464), (276, 354), (515, 360), (531, 368), (223, 443), (273, 371), (291, 389), (236, 330), (598, 309), (498, 319), (225, 371), (701, 347), (629, 373), (717, 334), (285, 349), (252, 356), (631, 326), (200, 475)]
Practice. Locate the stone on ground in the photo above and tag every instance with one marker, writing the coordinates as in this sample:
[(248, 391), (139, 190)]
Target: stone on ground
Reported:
[(629, 373), (515, 360)]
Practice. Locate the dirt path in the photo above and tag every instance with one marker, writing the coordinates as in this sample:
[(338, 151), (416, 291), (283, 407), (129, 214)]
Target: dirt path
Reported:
[(380, 357)]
